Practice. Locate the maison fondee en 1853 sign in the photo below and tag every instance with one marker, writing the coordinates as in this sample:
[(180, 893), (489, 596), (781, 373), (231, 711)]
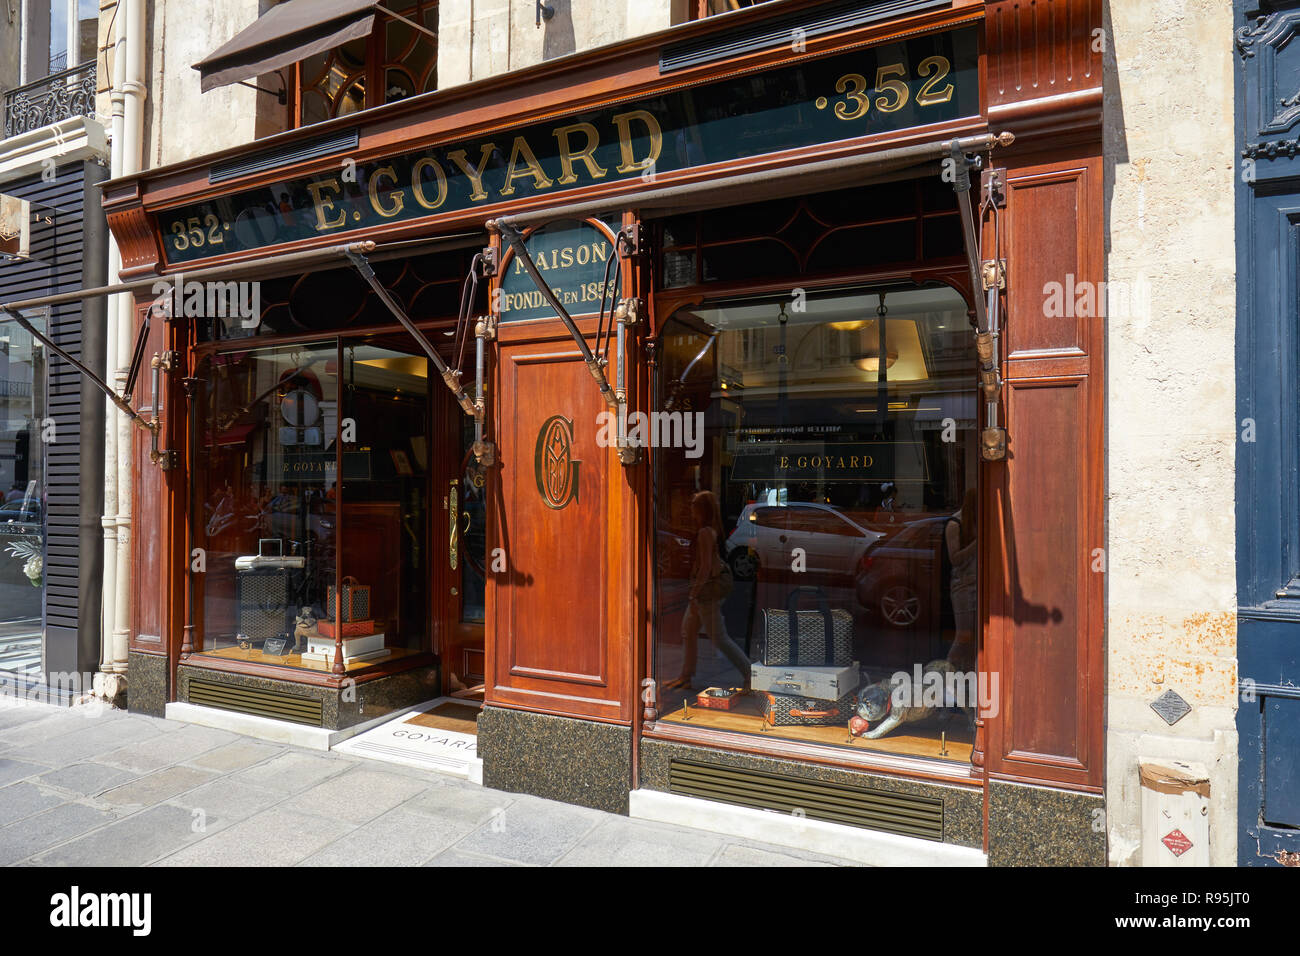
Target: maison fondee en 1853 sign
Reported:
[(918, 81)]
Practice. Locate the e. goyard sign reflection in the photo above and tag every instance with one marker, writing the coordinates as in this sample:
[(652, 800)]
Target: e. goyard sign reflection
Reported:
[(919, 81), (554, 464)]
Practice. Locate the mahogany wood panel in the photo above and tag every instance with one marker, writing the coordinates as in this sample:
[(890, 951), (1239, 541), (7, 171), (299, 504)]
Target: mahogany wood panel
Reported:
[(1041, 261), (558, 639), (1041, 48), (1044, 506)]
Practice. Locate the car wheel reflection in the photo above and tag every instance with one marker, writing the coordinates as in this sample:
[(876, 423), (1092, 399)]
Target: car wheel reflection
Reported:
[(744, 564), (900, 605)]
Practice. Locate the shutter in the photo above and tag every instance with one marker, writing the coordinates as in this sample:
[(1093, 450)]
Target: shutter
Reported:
[(56, 266)]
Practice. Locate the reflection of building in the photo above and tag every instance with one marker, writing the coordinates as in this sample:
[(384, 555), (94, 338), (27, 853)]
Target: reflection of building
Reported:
[(53, 155)]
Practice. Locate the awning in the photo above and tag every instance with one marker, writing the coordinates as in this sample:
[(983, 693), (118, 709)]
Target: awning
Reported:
[(285, 34)]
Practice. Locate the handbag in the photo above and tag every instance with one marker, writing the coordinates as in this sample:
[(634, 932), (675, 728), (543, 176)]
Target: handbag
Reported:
[(717, 587), (785, 710), (355, 603), (821, 638)]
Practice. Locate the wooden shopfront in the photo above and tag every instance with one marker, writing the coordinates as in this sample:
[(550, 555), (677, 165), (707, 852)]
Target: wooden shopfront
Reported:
[(767, 294)]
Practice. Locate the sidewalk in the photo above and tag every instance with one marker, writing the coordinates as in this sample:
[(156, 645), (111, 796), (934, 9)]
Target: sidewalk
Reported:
[(97, 787)]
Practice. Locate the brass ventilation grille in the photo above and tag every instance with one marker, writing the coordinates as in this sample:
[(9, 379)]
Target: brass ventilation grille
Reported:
[(899, 813), (256, 701)]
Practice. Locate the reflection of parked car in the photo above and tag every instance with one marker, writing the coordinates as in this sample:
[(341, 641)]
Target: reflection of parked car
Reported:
[(22, 516), (673, 555), (766, 536), (904, 577)]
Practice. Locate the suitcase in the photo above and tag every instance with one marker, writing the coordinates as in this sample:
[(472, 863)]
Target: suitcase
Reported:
[(784, 710), (350, 628), (822, 683), (263, 596), (820, 638)]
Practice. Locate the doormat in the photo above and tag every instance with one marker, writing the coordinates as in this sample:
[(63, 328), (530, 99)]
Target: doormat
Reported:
[(434, 737)]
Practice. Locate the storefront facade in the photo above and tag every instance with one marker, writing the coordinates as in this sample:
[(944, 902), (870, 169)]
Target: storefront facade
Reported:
[(757, 224)]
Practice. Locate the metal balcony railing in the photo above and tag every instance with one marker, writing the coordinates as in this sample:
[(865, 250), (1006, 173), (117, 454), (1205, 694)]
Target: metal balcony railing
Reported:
[(50, 99)]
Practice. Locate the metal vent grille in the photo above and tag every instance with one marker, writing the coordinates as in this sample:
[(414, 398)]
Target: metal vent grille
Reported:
[(255, 700), (900, 813), (286, 156), (779, 30)]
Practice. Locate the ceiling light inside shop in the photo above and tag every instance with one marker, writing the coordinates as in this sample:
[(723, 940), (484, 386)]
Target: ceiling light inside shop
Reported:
[(904, 358)]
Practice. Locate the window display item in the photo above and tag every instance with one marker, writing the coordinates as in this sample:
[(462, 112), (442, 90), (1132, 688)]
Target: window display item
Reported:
[(349, 628), (823, 683), (355, 604), (270, 554), (360, 648), (275, 646), (889, 706), (820, 638), (718, 698), (784, 710), (304, 627)]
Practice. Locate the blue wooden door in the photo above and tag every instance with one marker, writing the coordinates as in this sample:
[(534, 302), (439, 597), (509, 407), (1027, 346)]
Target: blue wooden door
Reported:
[(1268, 449)]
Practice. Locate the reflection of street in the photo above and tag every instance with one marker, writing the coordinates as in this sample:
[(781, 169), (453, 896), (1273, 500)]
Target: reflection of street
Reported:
[(20, 642)]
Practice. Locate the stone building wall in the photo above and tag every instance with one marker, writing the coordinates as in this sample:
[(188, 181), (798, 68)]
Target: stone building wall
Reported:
[(1170, 435)]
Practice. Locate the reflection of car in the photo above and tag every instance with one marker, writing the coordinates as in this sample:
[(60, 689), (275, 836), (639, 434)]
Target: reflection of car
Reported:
[(903, 576), (672, 555), (22, 516), (833, 542)]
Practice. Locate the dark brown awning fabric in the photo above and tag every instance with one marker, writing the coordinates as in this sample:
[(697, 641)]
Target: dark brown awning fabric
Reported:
[(285, 34)]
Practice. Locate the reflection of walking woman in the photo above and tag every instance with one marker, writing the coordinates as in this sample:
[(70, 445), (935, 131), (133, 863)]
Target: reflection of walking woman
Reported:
[(710, 583), (959, 535)]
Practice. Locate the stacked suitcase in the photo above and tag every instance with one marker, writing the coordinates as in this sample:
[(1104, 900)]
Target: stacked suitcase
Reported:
[(807, 676)]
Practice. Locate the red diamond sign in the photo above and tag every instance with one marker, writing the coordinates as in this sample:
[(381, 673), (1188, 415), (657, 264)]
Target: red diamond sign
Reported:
[(1177, 842)]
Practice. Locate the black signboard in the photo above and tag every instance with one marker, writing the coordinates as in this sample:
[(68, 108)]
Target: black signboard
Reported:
[(571, 257), (827, 461), (913, 82)]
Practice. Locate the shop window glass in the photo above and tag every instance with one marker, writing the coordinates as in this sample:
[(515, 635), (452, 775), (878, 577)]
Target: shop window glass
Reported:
[(836, 476), (309, 474), (23, 414)]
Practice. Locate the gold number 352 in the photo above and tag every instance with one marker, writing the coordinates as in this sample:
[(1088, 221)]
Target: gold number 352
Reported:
[(890, 82)]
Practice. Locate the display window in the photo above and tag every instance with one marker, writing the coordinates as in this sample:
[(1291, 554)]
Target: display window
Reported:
[(313, 481), (816, 528)]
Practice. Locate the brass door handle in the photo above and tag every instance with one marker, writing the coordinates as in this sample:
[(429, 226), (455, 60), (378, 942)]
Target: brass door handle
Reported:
[(453, 513)]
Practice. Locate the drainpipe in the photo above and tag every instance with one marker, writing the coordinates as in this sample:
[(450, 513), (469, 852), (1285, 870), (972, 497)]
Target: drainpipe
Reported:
[(128, 131), (117, 96), (132, 160)]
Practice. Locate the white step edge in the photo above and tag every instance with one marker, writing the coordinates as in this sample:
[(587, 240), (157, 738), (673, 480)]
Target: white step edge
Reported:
[(868, 847), (266, 728)]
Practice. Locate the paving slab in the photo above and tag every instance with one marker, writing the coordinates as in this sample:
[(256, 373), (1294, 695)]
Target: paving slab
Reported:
[(457, 857), (156, 787), (86, 779), (532, 831), (93, 738), (292, 771), (398, 838), (225, 801), (44, 830), (357, 795), (462, 802), (11, 770), (236, 755), (132, 841), (275, 837), (19, 800), (165, 749), (742, 854), (619, 841)]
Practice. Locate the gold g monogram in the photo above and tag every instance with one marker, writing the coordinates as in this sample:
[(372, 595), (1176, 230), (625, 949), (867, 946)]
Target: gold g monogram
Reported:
[(553, 463)]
